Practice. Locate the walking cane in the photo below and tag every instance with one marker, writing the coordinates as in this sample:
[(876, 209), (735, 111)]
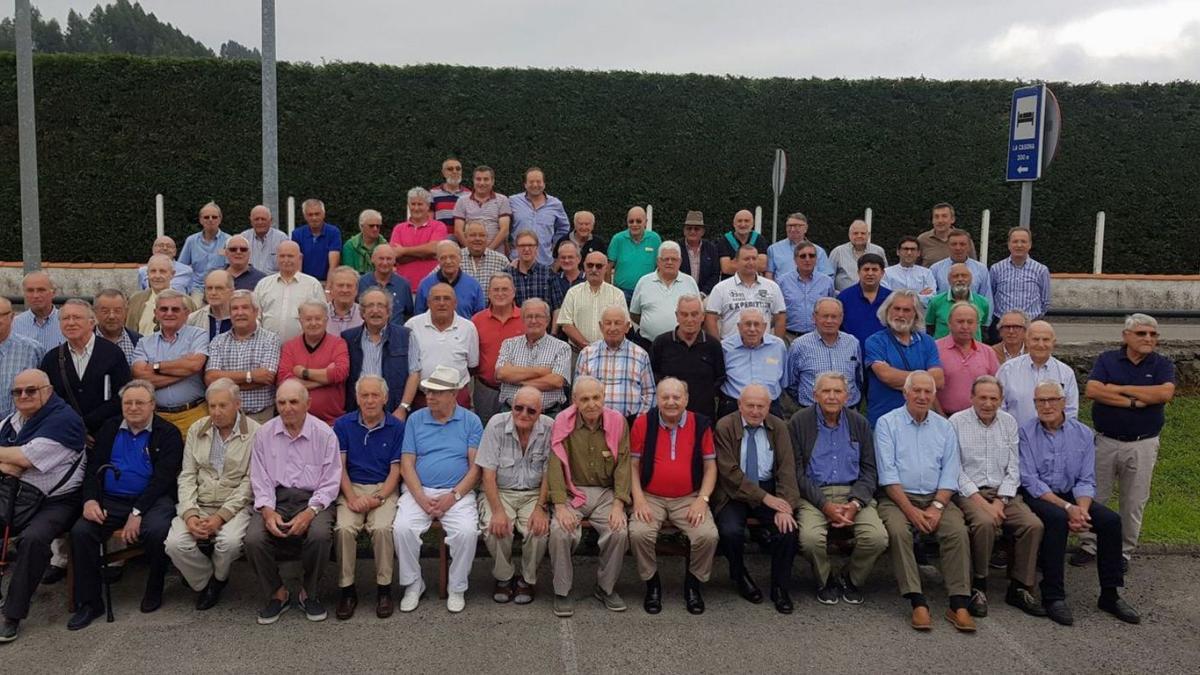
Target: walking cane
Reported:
[(104, 542)]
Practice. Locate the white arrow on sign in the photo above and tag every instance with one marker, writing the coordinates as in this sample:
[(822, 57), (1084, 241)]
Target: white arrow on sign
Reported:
[(1022, 169)]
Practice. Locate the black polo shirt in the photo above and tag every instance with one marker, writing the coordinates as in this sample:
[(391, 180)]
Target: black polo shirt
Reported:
[(1114, 367), (596, 243), (701, 365)]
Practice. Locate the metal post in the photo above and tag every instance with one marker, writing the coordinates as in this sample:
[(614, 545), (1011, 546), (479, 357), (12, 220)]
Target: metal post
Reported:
[(868, 215), (985, 229), (1026, 203), (775, 220), (758, 219), (649, 218), (291, 219), (31, 230), (270, 120), (160, 219), (1098, 251)]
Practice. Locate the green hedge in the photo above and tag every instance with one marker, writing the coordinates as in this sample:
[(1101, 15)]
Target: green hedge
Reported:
[(115, 130)]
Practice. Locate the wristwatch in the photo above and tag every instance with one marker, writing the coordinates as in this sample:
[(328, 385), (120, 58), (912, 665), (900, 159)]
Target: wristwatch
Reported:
[(704, 497), (938, 505), (1067, 506), (136, 512), (157, 366), (249, 379), (457, 497), (1006, 500), (858, 502), (407, 407), (316, 511)]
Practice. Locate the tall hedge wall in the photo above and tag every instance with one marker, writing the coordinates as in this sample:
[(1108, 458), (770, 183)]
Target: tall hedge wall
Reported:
[(114, 130)]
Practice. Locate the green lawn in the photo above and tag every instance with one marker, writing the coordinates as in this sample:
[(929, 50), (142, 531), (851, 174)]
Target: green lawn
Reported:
[(1173, 513)]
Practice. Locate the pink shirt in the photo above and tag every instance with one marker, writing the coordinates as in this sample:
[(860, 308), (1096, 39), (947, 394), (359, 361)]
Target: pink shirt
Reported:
[(326, 403), (408, 234), (310, 461), (961, 371)]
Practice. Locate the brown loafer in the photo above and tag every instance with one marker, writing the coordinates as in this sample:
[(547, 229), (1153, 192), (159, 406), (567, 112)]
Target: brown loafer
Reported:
[(503, 591), (524, 592), (961, 620), (346, 606), (921, 619), (383, 605)]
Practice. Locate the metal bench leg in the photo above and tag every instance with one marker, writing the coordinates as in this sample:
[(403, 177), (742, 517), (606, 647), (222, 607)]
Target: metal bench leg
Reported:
[(443, 569)]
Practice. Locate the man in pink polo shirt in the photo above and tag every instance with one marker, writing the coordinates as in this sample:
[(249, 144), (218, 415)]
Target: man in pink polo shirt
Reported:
[(963, 358), (415, 240)]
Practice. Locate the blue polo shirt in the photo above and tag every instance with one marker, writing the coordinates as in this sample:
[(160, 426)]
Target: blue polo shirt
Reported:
[(402, 295), (467, 291), (315, 249), (1114, 367), (441, 448), (919, 354), (370, 452), (131, 456), (859, 317)]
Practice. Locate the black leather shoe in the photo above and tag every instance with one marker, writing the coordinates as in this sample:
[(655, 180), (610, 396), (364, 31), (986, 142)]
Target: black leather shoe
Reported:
[(747, 588), (1080, 558), (54, 575), (1023, 600), (1120, 609), (782, 600), (211, 594), (1059, 612), (653, 601), (153, 597), (691, 595), (85, 615), (9, 629)]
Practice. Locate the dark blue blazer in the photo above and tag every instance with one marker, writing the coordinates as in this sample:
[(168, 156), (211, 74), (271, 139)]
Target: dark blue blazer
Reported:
[(710, 266), (394, 363)]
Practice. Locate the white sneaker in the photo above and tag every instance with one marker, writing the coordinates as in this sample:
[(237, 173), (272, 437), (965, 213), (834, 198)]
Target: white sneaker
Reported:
[(412, 596), (455, 602)]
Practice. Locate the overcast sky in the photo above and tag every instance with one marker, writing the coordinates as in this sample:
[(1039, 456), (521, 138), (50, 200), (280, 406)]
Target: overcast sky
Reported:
[(1072, 40)]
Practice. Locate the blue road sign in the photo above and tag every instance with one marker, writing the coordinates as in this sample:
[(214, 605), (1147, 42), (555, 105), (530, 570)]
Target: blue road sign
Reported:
[(1025, 133)]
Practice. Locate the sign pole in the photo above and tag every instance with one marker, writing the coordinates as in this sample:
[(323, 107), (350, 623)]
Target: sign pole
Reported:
[(778, 176), (31, 231), (1026, 203), (270, 119), (775, 219)]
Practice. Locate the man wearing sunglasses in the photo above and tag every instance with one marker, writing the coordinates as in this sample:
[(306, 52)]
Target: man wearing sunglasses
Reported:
[(173, 359), (245, 276), (17, 353), (204, 251), (357, 250)]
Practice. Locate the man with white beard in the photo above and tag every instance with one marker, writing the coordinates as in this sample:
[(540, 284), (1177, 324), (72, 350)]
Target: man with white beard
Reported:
[(896, 351), (937, 317)]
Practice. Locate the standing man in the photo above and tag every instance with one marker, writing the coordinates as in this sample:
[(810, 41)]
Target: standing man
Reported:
[(845, 258), (907, 273), (181, 275), (937, 318), (1020, 375), (356, 252), (318, 360), (467, 289), (632, 252), (279, 295), (441, 337), (781, 256), (963, 359), (741, 235), (486, 205), (17, 354), (862, 299), (1019, 281), (141, 316), (935, 242), (264, 240), (690, 355), (478, 261), (570, 273), (894, 352), (39, 321), (753, 357), (344, 312), (584, 236), (535, 211), (1130, 387), (744, 290), (802, 287), (112, 308), (320, 243), (245, 275), (823, 350), (531, 277), (655, 296), (85, 371), (249, 355), (622, 366), (381, 347), (444, 196), (213, 317), (579, 315), (384, 276), (172, 359), (1012, 328), (414, 241), (204, 251), (499, 322), (702, 262), (962, 251), (534, 359)]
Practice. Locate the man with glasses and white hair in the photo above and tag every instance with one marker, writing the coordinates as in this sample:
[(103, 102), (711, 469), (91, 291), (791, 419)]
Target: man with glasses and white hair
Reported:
[(657, 293), (249, 355), (579, 315), (1130, 387), (381, 347), (245, 275), (753, 356), (1012, 327), (357, 250), (414, 241), (902, 347), (87, 372), (172, 359)]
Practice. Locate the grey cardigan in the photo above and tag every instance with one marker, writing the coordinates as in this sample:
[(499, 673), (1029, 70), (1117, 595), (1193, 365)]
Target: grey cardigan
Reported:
[(803, 428)]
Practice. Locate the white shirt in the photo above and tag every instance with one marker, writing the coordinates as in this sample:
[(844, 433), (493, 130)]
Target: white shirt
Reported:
[(81, 359), (914, 278), (457, 346), (280, 301), (731, 296)]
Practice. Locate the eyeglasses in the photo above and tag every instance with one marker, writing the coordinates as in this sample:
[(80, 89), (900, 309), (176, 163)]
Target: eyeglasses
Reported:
[(806, 255), (18, 392), (236, 249), (372, 225), (526, 409), (209, 217), (1013, 327), (170, 310), (1145, 333), (595, 266), (1047, 401)]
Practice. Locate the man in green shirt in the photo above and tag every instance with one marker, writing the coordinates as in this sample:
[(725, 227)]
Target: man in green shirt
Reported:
[(938, 314), (357, 250), (633, 252)]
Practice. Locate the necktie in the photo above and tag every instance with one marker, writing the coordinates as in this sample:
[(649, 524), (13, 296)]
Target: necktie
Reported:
[(752, 453)]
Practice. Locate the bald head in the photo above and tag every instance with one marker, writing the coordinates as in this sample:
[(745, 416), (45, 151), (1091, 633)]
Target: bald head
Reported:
[(635, 219), (287, 258), (743, 221)]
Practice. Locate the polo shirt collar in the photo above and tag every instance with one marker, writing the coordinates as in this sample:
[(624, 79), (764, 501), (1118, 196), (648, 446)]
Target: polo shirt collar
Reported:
[(125, 425), (702, 337), (683, 419), (912, 420), (382, 422)]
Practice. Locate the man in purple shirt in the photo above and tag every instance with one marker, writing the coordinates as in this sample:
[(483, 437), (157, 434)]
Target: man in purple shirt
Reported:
[(1058, 477), (295, 472)]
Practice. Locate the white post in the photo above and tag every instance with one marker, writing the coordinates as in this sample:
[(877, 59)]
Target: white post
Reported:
[(1098, 251), (985, 227), (291, 214), (867, 217), (160, 221), (649, 218), (758, 219)]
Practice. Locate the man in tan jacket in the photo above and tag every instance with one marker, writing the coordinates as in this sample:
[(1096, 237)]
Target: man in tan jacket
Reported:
[(214, 491)]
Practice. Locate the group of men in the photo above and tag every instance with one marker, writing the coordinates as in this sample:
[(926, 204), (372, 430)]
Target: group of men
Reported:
[(297, 392)]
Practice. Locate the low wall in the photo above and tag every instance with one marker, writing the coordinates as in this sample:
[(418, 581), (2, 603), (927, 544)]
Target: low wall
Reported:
[(1185, 354)]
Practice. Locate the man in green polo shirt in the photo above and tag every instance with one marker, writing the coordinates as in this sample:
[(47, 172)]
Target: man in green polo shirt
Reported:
[(357, 250), (633, 252), (938, 314)]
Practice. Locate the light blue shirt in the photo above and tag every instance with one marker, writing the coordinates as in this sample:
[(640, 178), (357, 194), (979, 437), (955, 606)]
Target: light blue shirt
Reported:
[(442, 448), (372, 356), (17, 353), (182, 281), (915, 279), (154, 349), (203, 256), (810, 356), (262, 251), (801, 295), (766, 455), (46, 334), (921, 457), (781, 259), (548, 221), (981, 280), (765, 364)]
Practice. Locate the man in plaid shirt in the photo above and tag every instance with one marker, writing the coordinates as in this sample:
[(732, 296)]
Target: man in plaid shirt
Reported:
[(531, 278), (622, 366), (536, 359), (249, 355)]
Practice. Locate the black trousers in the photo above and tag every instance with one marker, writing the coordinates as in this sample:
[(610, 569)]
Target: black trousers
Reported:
[(1053, 553), (731, 526), (87, 536), (33, 553)]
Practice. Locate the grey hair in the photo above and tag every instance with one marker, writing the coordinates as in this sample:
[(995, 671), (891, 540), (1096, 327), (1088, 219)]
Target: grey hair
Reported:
[(1138, 319), (669, 246), (689, 297), (526, 234), (502, 276), (525, 306), (344, 269), (136, 384), (169, 294), (223, 384), (314, 304), (913, 375), (77, 302), (213, 205), (367, 213), (378, 289), (797, 216), (919, 324), (817, 304), (672, 381), (1050, 384), (582, 380), (987, 379), (624, 312), (371, 378), (447, 243), (474, 221), (112, 293), (228, 277), (312, 201), (420, 193), (831, 375), (748, 310), (1023, 315), (243, 293)]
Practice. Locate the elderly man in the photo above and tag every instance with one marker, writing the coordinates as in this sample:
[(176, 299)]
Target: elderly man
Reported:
[(844, 259), (39, 321), (444, 195), (937, 242), (264, 240), (657, 293), (214, 317), (702, 262), (962, 252), (85, 371), (414, 241), (534, 359), (745, 289), (320, 361), (987, 495), (916, 454), (145, 452), (741, 234), (862, 299), (370, 441), (531, 278), (467, 289), (756, 479), (691, 355), (344, 312), (320, 242), (17, 353), (237, 252), (380, 347), (487, 206), (442, 337), (579, 315), (478, 261), (937, 317), (172, 359), (1020, 375), (181, 278), (583, 234), (41, 446), (357, 250), (439, 471), (1012, 327), (214, 493), (632, 252), (781, 256), (1018, 281), (541, 214), (964, 359), (588, 477), (512, 457), (279, 295), (1130, 387), (204, 251), (384, 275), (499, 322), (141, 316), (802, 287), (823, 350), (674, 473), (753, 357), (569, 273), (907, 273), (295, 473), (112, 308), (894, 352), (1058, 462), (622, 366), (249, 355)]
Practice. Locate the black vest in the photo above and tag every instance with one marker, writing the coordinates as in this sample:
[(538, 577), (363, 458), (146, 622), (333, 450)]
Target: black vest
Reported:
[(652, 427)]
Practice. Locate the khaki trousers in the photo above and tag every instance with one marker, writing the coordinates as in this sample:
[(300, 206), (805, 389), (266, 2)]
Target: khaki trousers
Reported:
[(1133, 465), (870, 537), (643, 537), (612, 544), (263, 416), (378, 522), (519, 506), (953, 541), (184, 420), (198, 568), (1025, 527)]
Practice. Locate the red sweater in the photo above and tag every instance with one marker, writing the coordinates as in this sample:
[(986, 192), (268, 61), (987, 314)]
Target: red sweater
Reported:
[(327, 402)]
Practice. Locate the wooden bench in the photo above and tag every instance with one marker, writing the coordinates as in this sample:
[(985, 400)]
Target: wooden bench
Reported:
[(127, 553)]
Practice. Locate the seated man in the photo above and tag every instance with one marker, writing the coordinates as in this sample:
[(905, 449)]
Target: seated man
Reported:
[(318, 360), (513, 456), (622, 366), (214, 493), (370, 443), (137, 497), (917, 458), (535, 359), (987, 495), (588, 477), (295, 473), (41, 445), (674, 471), (835, 468), (437, 464), (756, 479), (1058, 474)]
